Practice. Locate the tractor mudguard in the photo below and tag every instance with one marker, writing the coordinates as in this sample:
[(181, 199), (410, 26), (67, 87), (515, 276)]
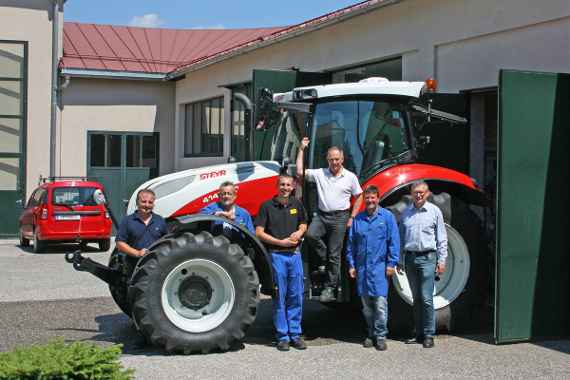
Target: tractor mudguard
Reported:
[(250, 244), (393, 182)]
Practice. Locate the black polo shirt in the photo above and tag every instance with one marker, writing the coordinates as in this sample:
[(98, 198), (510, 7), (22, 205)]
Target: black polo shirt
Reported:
[(138, 235), (279, 220)]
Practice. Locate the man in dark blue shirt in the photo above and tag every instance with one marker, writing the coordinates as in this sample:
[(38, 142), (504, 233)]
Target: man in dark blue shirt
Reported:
[(142, 228), (372, 253), (227, 208)]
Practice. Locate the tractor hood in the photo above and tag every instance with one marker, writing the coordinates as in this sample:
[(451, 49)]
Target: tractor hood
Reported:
[(186, 192)]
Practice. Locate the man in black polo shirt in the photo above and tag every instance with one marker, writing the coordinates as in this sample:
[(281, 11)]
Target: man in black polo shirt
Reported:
[(139, 230), (280, 224)]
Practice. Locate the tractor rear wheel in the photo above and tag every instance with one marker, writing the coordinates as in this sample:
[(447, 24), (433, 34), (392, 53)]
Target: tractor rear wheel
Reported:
[(194, 293)]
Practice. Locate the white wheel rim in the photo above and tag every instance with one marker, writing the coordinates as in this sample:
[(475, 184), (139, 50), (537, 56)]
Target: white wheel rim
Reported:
[(209, 316), (453, 280)]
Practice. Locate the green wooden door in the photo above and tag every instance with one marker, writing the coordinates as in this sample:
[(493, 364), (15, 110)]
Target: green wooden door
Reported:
[(122, 162), (532, 297), (13, 59)]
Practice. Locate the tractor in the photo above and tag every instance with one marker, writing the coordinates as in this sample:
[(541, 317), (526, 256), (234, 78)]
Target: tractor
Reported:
[(197, 291)]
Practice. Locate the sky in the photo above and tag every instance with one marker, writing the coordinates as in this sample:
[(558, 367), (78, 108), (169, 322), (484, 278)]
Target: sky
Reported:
[(199, 14)]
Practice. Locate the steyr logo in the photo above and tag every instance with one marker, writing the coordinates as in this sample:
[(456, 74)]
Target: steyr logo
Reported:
[(219, 173)]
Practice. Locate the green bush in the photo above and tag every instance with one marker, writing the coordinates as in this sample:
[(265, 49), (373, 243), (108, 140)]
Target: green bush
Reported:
[(58, 360)]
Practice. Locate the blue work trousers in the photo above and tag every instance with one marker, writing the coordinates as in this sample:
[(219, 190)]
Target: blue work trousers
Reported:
[(288, 302), (420, 270), (375, 310)]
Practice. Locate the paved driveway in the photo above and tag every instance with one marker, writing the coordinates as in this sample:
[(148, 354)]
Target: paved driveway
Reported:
[(42, 297)]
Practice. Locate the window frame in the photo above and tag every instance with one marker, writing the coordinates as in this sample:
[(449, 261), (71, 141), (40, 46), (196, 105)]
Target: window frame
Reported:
[(199, 105)]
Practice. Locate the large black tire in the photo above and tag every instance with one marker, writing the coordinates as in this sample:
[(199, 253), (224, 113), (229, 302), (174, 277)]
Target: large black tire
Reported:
[(119, 291), (194, 293), (469, 311), (104, 245)]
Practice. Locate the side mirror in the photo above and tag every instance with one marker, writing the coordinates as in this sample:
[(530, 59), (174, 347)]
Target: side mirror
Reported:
[(266, 110), (99, 197)]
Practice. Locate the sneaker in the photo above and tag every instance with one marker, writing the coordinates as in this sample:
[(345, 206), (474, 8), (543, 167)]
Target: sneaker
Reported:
[(299, 344), (283, 345), (368, 342), (327, 295), (416, 340), (428, 342), (322, 269), (381, 345)]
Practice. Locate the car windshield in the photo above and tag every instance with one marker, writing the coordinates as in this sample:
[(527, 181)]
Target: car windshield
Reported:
[(71, 196), (368, 131)]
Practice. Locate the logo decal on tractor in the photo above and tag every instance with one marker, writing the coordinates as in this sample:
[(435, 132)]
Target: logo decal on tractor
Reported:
[(215, 174)]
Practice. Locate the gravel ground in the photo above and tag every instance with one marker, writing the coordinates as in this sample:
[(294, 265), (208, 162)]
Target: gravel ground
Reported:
[(42, 297)]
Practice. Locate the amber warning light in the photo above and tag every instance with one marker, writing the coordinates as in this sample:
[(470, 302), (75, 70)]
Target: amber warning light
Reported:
[(431, 85)]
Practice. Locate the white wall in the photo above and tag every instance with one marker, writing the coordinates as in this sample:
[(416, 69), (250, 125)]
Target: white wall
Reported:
[(114, 105), (461, 43)]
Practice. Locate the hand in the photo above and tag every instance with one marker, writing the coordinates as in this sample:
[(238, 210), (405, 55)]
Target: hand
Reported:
[(349, 222), (296, 236), (440, 268), (304, 143), (390, 271), (142, 252), (287, 242), (399, 269), (352, 273)]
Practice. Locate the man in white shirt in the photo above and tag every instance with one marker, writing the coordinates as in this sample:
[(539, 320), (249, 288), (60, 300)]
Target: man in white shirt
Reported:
[(335, 187)]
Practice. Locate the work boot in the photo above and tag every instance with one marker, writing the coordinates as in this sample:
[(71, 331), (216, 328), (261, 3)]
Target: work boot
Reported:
[(327, 295), (381, 345), (299, 344), (283, 345), (428, 342), (368, 342)]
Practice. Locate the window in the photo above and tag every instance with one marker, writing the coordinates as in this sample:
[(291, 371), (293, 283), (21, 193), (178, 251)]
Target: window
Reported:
[(13, 56), (71, 196), (390, 69), (204, 128)]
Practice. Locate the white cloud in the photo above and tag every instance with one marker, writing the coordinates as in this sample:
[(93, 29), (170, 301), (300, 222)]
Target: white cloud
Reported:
[(217, 26), (150, 20)]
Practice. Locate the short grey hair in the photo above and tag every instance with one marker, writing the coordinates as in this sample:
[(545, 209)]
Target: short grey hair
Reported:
[(419, 183)]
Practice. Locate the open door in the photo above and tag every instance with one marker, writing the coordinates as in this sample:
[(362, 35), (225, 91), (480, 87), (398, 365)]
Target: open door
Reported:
[(532, 292), (278, 81)]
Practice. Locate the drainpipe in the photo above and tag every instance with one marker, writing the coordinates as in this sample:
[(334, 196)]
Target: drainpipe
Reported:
[(57, 7)]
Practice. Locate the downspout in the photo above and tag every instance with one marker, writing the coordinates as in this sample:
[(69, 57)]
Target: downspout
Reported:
[(57, 6)]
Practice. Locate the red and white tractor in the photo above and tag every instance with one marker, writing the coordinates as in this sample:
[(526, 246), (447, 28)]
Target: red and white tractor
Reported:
[(197, 292)]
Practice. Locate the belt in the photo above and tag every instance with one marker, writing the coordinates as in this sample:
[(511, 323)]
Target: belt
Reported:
[(420, 253), (337, 212), (285, 250)]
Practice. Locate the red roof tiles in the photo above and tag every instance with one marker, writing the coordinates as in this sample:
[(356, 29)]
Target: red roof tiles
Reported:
[(147, 50)]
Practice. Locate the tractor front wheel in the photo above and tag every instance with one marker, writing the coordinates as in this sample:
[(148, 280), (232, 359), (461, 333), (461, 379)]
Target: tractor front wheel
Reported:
[(194, 293)]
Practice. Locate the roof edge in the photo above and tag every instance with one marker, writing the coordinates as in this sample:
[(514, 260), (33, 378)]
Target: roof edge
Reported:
[(86, 73), (280, 36)]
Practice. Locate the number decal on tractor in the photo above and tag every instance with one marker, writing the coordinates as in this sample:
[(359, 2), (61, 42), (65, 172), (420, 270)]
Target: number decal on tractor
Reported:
[(215, 174)]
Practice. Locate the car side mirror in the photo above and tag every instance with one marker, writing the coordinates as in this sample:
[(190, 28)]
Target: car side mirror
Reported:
[(99, 197)]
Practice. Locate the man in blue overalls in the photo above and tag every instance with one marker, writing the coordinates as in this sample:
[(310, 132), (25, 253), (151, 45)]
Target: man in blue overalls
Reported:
[(226, 207), (372, 253), (280, 224)]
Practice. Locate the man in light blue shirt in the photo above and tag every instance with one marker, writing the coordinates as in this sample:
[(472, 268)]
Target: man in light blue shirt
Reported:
[(226, 207), (424, 240), (372, 252)]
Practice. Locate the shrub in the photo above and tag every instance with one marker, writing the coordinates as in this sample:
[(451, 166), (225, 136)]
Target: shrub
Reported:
[(58, 360)]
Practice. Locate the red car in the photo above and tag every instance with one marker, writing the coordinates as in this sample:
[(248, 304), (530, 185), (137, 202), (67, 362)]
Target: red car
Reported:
[(63, 210)]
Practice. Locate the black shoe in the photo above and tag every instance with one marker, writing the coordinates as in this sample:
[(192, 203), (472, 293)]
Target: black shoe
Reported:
[(381, 345), (416, 340), (368, 342), (327, 295), (283, 345), (428, 342), (299, 344)]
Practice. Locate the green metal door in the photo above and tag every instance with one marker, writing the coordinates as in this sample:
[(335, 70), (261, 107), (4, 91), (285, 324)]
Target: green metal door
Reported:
[(13, 75), (532, 297), (122, 162)]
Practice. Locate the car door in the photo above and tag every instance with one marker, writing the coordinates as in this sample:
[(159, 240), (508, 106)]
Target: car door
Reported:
[(27, 217)]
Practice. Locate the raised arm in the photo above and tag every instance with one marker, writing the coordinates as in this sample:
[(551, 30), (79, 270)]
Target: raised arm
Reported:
[(299, 163)]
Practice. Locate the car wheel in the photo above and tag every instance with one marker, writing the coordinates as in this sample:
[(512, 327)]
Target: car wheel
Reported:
[(104, 245), (24, 243), (39, 245)]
